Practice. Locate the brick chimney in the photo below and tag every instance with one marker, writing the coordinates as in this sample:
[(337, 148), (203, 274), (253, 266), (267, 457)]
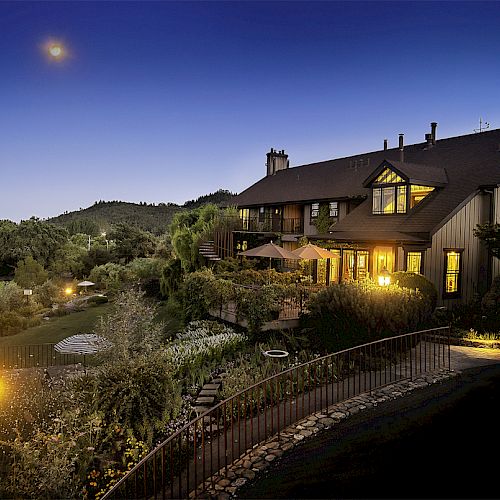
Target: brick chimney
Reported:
[(276, 160)]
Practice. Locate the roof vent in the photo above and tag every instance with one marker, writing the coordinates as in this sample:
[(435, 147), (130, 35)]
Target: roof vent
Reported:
[(385, 144), (433, 132)]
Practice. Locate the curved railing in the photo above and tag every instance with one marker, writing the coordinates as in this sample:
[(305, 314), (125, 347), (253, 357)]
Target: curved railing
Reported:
[(187, 462)]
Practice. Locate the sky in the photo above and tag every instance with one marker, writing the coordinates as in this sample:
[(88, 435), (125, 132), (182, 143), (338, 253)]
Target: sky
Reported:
[(167, 101)]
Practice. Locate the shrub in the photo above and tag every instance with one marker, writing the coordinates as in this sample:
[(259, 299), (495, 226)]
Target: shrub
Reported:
[(96, 300), (171, 278), (109, 276), (415, 281), (202, 343), (350, 314), (48, 293), (131, 327), (137, 394)]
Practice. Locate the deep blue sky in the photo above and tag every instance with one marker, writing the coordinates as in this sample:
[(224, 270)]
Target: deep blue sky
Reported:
[(166, 101)]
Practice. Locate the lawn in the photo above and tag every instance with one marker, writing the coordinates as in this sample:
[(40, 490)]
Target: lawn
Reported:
[(56, 329)]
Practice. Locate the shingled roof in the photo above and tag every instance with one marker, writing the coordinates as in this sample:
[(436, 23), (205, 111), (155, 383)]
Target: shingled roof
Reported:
[(459, 165)]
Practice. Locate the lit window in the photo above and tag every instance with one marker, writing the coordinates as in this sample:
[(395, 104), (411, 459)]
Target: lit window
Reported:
[(388, 200), (388, 177), (314, 210), (377, 204), (245, 217), (452, 272), (401, 196), (418, 193), (334, 209), (414, 262)]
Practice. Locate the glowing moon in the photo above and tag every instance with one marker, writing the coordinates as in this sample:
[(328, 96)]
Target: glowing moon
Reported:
[(55, 51)]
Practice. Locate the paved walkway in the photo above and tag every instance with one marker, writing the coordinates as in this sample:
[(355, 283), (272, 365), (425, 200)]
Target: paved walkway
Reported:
[(470, 357)]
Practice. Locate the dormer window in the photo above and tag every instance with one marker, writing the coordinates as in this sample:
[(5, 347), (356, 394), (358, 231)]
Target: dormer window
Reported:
[(398, 187), (390, 194)]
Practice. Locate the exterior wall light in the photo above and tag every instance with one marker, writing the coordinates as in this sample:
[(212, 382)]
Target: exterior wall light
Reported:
[(384, 277)]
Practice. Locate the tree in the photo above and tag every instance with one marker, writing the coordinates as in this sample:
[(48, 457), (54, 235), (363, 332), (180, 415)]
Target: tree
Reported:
[(30, 273), (130, 328), (32, 237), (132, 242), (490, 234)]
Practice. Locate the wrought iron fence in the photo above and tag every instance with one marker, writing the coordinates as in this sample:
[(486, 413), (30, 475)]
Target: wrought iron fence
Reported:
[(35, 355), (185, 464)]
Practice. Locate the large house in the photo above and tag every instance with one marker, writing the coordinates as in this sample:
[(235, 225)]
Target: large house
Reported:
[(410, 208)]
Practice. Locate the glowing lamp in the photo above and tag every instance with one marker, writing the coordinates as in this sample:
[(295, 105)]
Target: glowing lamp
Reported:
[(68, 291), (384, 277)]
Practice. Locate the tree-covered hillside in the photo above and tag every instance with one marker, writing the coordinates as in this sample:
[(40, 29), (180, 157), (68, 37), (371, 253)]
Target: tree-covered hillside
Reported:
[(155, 218)]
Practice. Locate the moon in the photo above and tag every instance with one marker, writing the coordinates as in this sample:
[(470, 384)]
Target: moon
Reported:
[(55, 51)]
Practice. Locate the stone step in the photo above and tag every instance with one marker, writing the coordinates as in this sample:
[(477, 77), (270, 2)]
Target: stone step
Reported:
[(205, 400), (216, 381), (210, 387), (201, 409), (208, 392)]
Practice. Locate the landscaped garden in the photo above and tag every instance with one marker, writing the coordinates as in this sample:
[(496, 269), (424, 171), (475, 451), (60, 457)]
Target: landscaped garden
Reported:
[(77, 435)]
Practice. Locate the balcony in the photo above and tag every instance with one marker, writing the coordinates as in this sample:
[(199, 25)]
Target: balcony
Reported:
[(271, 225)]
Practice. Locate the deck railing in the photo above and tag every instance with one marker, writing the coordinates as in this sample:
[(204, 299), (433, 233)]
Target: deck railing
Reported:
[(185, 464), (35, 355), (270, 224)]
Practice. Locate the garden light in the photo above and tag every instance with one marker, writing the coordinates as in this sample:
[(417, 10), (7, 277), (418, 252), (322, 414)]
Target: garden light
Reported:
[(384, 277), (68, 291)]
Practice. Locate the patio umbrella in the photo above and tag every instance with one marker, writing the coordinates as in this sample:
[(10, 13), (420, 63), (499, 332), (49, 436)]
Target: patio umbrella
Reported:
[(271, 251), (83, 343), (85, 284), (313, 252)]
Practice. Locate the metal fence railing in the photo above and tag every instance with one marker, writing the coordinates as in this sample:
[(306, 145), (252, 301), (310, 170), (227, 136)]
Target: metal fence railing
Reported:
[(186, 462), (35, 355)]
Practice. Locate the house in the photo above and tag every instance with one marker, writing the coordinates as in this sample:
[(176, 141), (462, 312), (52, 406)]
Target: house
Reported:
[(410, 208)]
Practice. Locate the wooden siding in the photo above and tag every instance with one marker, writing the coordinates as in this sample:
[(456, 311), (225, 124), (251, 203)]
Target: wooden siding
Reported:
[(457, 233), (292, 212), (495, 265)]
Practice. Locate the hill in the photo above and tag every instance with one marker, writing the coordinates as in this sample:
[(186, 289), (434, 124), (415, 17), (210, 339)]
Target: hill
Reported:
[(154, 218)]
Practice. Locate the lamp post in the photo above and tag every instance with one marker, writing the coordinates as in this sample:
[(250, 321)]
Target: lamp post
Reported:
[(384, 277)]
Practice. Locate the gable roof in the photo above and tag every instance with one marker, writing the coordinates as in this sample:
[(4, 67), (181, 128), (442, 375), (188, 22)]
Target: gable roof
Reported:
[(425, 175), (465, 162)]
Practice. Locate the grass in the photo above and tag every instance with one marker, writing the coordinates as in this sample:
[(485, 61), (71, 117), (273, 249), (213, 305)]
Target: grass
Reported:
[(56, 329)]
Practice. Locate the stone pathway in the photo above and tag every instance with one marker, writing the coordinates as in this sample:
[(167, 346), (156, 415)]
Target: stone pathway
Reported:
[(224, 484), (207, 397)]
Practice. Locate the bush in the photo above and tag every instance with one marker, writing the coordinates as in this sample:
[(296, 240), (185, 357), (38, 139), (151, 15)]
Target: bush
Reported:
[(110, 276), (97, 300), (415, 281), (350, 314), (137, 394)]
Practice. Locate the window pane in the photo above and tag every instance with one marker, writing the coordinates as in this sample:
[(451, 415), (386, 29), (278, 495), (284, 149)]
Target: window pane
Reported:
[(362, 264), (377, 204), (334, 209), (388, 177), (388, 200), (418, 193), (414, 262), (334, 267), (348, 265), (401, 199), (452, 272), (314, 210)]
